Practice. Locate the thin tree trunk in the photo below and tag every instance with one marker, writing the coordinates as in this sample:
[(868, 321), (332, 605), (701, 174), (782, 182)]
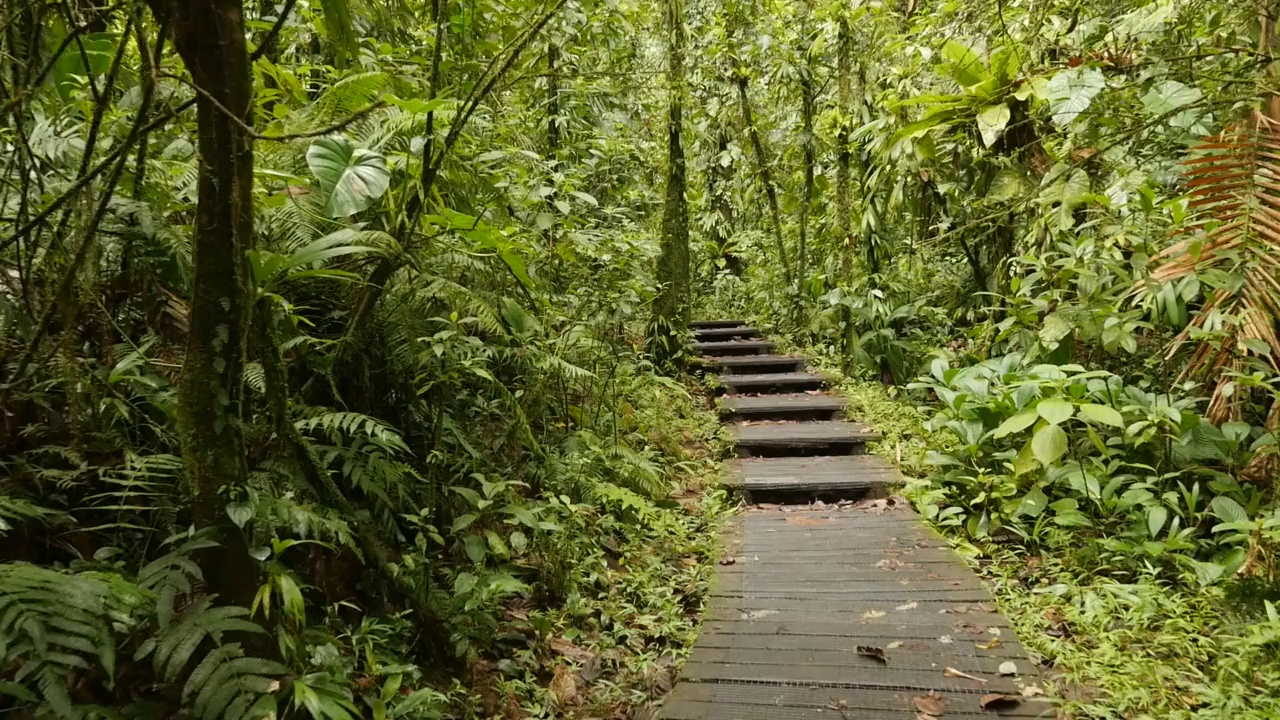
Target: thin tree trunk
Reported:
[(766, 178), (210, 37), (553, 130), (671, 305), (719, 177), (807, 141), (844, 176)]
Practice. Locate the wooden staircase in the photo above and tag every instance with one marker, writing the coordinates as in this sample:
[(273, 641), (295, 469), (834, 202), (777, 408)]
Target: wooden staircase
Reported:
[(790, 435)]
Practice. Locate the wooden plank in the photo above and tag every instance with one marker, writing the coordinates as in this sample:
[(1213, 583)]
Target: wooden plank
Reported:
[(725, 333), (780, 405), (734, 347), (788, 382), (750, 363), (802, 435), (732, 701), (824, 472), (699, 324)]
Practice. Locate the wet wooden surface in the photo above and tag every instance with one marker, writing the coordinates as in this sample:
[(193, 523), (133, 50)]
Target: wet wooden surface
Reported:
[(806, 589), (852, 611), (818, 474)]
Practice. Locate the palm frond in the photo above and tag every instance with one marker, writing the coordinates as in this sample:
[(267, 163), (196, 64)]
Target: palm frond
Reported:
[(1233, 180)]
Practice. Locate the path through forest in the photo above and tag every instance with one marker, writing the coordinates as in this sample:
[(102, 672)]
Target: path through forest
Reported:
[(835, 601)]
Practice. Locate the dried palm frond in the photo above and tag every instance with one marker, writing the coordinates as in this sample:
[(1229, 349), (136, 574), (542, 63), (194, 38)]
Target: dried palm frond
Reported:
[(1234, 185)]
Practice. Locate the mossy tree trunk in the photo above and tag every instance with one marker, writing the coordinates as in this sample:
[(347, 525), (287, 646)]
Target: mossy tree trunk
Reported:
[(210, 37), (844, 173), (671, 305)]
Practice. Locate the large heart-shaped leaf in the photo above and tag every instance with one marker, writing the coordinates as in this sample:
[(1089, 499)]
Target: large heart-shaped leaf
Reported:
[(1070, 92), (1049, 443), (992, 120), (351, 177)]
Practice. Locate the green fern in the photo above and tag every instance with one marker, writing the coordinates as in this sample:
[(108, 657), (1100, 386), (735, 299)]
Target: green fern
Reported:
[(57, 625), (353, 425)]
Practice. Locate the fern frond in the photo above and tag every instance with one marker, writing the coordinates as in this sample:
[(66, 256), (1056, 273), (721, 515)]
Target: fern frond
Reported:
[(1233, 180), (352, 424)]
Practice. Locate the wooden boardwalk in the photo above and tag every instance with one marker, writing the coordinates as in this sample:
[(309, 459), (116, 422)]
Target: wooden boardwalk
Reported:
[(850, 610)]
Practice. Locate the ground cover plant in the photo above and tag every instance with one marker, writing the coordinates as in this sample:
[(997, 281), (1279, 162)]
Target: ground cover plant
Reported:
[(343, 361)]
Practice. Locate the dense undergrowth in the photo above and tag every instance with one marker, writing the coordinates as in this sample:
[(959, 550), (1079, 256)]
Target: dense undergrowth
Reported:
[(340, 339), (1057, 298)]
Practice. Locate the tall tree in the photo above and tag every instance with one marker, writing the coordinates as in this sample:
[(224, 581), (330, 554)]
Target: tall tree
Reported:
[(671, 305), (210, 37), (807, 101), (844, 178)]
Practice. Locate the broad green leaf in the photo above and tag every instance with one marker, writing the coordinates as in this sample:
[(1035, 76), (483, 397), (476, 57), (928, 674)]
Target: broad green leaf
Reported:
[(963, 64), (351, 177), (1049, 443), (1008, 184), (1033, 503), (1070, 92), (476, 548), (1169, 95), (1102, 414), (1156, 516), (1025, 462), (340, 29), (992, 120), (1016, 423), (1207, 572), (1228, 510), (1055, 410)]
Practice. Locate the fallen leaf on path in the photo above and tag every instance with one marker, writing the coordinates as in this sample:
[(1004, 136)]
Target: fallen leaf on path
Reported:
[(930, 704), (908, 606), (872, 652), (968, 627), (797, 520), (894, 645), (872, 614), (1008, 668), (991, 644), (952, 672), (987, 607), (999, 701), (1032, 691), (946, 640), (957, 610), (563, 686), (729, 561)]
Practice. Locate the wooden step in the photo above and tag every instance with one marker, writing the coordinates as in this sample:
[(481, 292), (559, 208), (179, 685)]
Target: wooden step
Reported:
[(782, 406), (823, 473), (700, 324), (772, 382), (733, 347), (727, 333), (754, 364), (774, 439)]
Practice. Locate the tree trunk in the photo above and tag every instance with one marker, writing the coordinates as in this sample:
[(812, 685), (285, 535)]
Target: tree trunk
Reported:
[(553, 129), (671, 305), (719, 178), (210, 37), (807, 141), (844, 176), (766, 178)]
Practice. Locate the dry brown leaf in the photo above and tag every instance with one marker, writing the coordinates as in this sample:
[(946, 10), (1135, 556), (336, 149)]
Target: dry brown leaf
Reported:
[(794, 520), (930, 704), (991, 644), (872, 652), (968, 627), (952, 672), (1031, 691), (999, 701), (563, 686)]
